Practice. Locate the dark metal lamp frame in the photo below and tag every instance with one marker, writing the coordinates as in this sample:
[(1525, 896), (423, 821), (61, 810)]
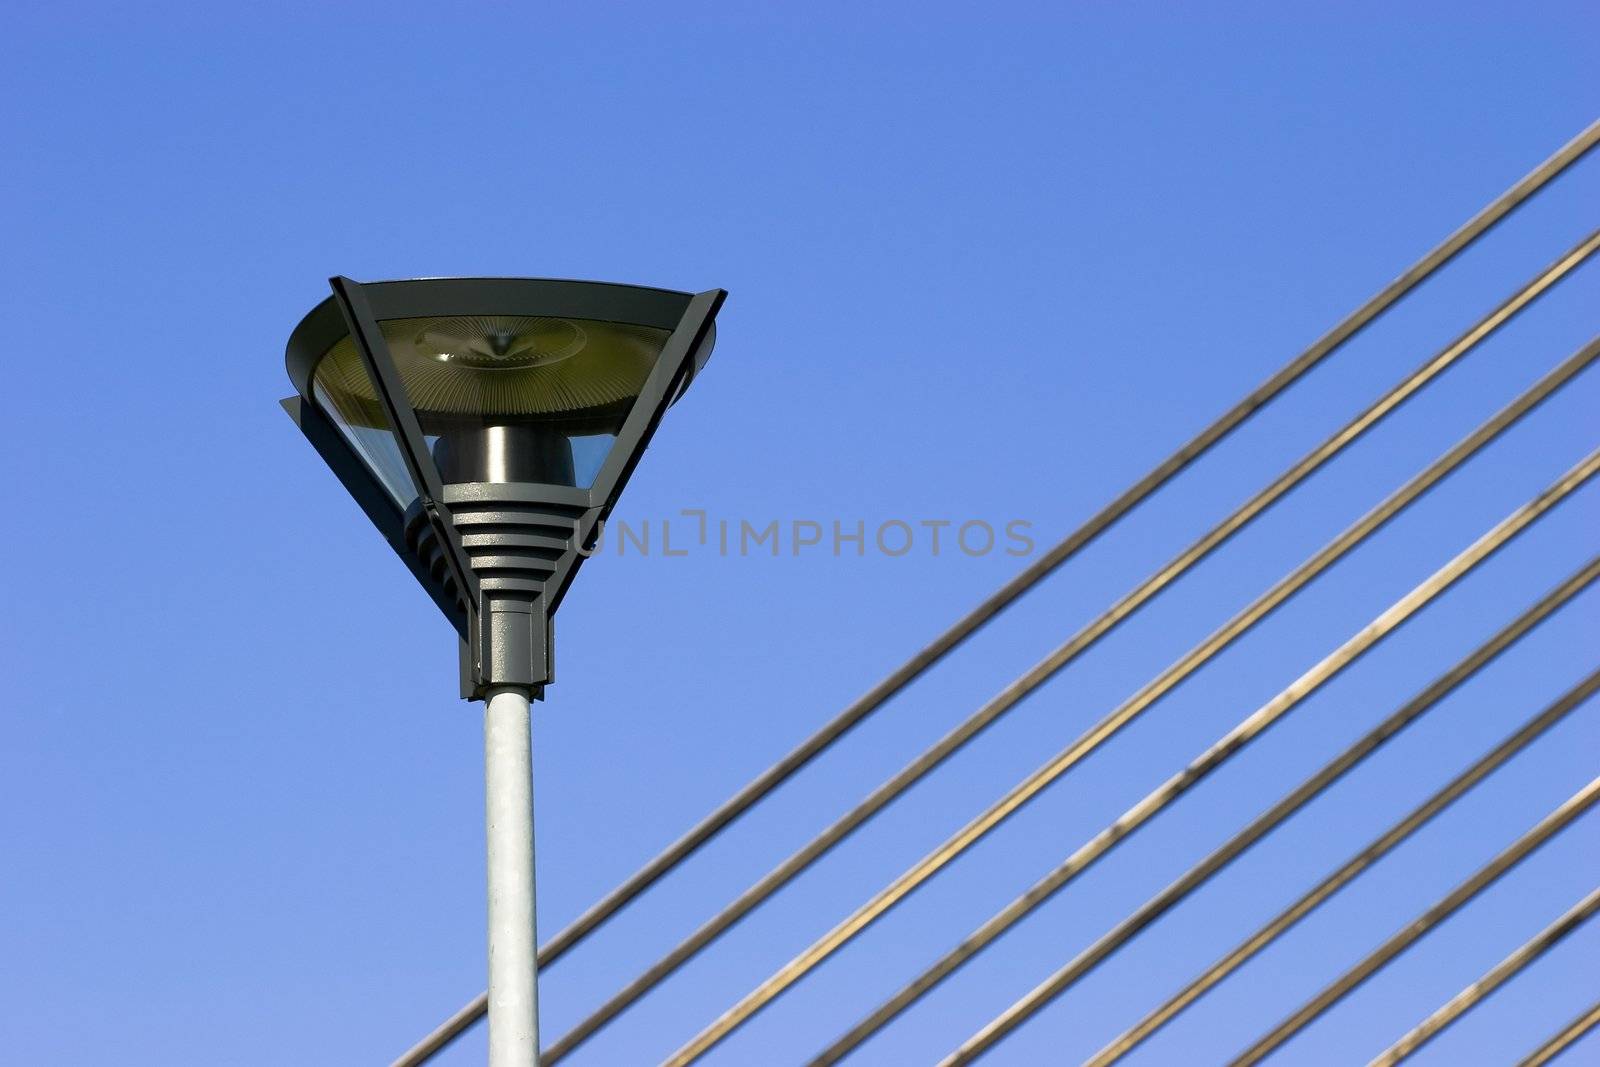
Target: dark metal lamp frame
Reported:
[(496, 559)]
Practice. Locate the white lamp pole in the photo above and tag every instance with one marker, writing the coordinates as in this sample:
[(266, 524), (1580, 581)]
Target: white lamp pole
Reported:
[(513, 964), (435, 402)]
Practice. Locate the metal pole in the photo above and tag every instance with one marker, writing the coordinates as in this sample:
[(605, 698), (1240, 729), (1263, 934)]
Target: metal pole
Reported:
[(508, 793)]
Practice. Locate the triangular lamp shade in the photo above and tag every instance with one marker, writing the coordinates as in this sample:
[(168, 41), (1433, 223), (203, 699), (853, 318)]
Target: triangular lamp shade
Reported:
[(487, 426)]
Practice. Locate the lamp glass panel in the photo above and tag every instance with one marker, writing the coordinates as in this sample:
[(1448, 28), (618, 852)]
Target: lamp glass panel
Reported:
[(515, 398), (345, 394)]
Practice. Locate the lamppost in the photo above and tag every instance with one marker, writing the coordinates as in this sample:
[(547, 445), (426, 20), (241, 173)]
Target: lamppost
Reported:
[(486, 426)]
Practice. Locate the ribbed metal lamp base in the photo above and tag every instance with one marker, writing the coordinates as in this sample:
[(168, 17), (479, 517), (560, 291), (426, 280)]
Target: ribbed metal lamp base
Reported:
[(520, 539)]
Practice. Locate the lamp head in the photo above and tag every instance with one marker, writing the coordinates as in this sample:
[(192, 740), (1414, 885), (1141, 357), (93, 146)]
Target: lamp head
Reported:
[(487, 427)]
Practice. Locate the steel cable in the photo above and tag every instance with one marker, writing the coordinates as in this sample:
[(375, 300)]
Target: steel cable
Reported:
[(1563, 1039), (1346, 873), (1502, 972), (774, 776), (1334, 662), (1075, 646), (1230, 850), (1414, 931)]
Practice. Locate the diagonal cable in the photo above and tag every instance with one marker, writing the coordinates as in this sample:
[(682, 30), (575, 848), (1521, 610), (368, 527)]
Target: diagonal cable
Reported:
[(1075, 646), (1334, 662), (1413, 932), (1245, 732), (1224, 854), (774, 776), (1563, 1039), (1346, 873), (1498, 975)]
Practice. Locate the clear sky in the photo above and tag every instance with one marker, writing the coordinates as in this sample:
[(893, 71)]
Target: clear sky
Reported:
[(986, 263)]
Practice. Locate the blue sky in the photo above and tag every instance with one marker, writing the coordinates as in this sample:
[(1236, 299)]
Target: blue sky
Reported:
[(985, 264)]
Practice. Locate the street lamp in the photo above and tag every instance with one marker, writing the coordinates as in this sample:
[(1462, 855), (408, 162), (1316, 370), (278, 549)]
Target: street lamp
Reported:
[(486, 426)]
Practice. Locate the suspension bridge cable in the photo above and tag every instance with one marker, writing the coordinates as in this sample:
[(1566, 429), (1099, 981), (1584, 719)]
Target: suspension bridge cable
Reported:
[(1230, 850), (1336, 661), (1403, 939), (767, 781), (1563, 1039), (1346, 873), (1498, 975), (1064, 654)]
